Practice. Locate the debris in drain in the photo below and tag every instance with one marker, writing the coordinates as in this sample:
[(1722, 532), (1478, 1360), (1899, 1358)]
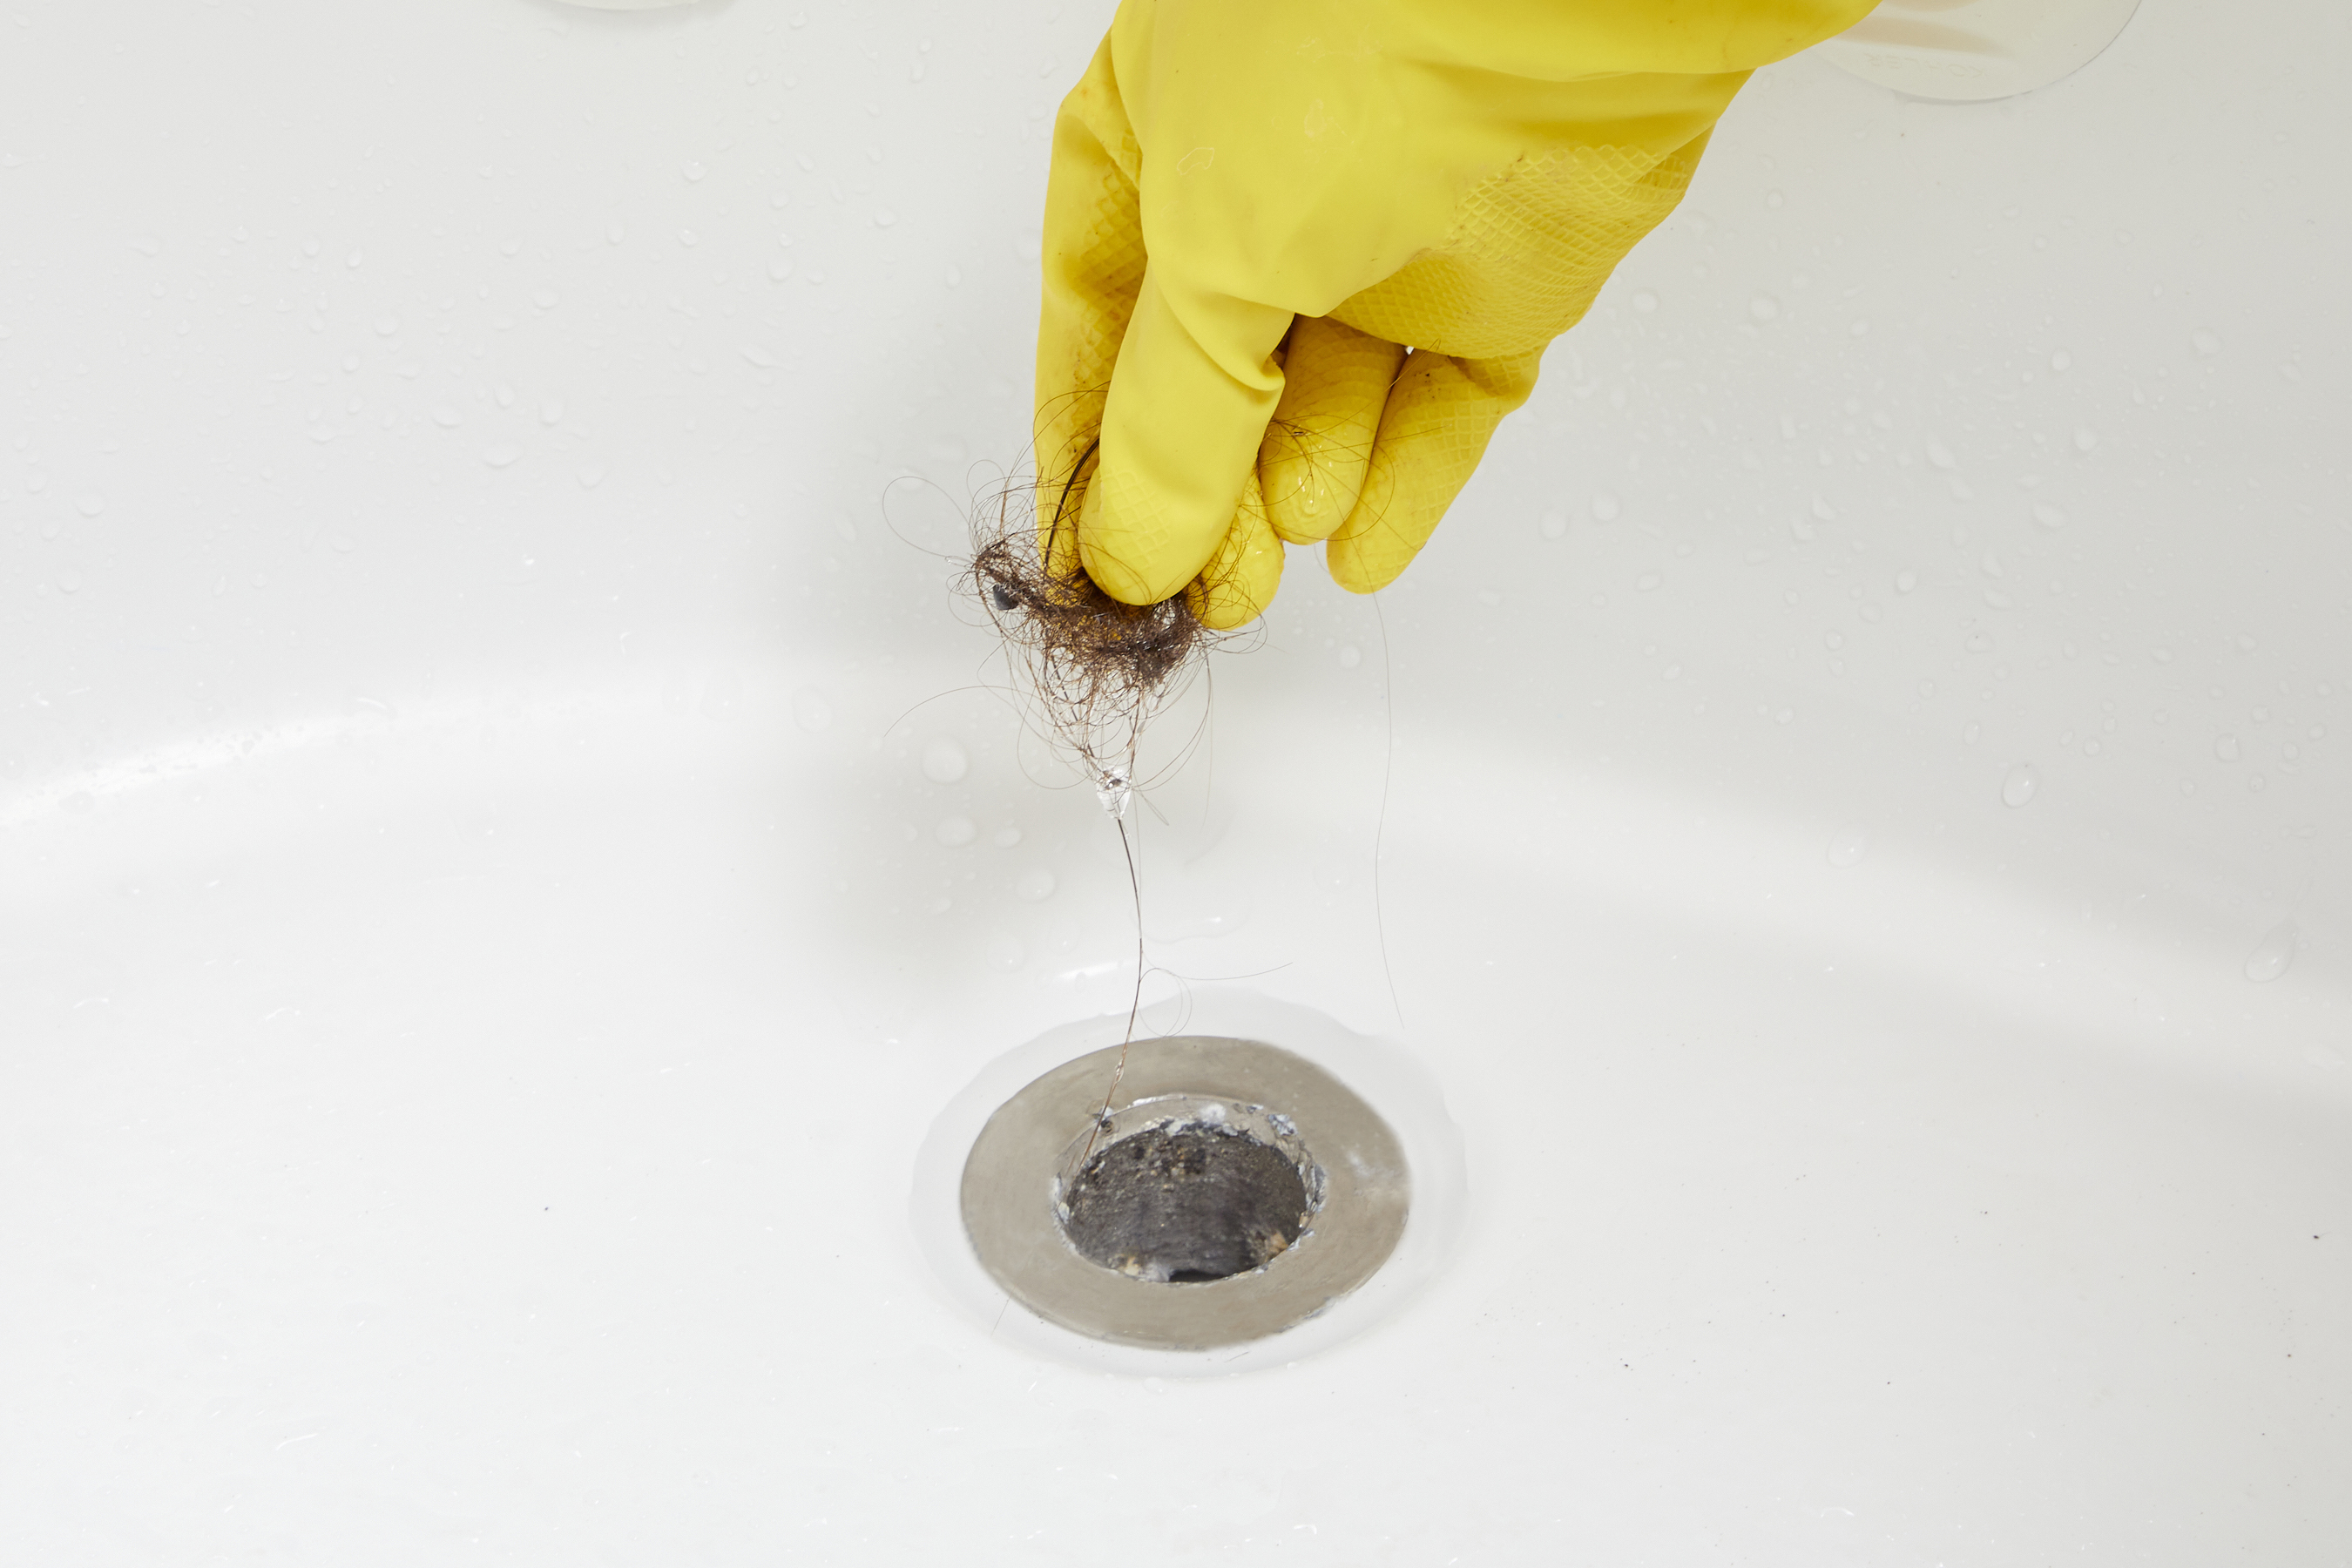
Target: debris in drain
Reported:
[(1185, 1204)]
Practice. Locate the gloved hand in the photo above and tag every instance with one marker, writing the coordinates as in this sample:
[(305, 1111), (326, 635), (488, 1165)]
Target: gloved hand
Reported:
[(1254, 206)]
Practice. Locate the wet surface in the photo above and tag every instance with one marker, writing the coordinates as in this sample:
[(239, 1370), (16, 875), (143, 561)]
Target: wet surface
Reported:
[(1186, 1204)]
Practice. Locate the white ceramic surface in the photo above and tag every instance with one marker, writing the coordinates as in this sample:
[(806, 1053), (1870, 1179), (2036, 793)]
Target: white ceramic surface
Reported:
[(505, 861), (1970, 51)]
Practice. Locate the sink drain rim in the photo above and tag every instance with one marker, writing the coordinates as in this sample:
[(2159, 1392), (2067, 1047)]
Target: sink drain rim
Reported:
[(1010, 1178)]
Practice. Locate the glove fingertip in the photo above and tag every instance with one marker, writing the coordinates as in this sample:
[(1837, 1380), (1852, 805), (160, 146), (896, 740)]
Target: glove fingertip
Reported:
[(1364, 568), (1240, 579)]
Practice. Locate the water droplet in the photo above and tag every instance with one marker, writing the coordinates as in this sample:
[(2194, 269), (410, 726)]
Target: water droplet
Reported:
[(2062, 362), (1605, 508), (811, 711), (686, 236), (1834, 639), (2207, 344), (1351, 655), (1114, 790), (2274, 954), (1848, 845), (547, 299), (2048, 516), (1037, 885), (945, 760), (615, 234), (691, 170), (1005, 838), (551, 412), (71, 581), (1646, 301), (506, 395), (884, 217), (955, 832), (90, 505), (1553, 525), (1773, 198), (1940, 454), (2021, 785), (505, 453), (148, 245), (37, 482), (2084, 437), (592, 476), (1906, 581), (1764, 308), (2226, 748), (447, 417), (759, 356)]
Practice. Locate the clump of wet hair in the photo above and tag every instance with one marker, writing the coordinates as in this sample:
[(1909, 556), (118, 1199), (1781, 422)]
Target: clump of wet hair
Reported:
[(1092, 669)]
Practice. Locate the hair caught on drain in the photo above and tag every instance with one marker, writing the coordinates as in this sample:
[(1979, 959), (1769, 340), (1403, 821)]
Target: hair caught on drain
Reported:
[(1094, 670)]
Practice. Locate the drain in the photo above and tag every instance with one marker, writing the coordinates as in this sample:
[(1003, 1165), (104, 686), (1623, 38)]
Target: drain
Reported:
[(1242, 1191), (1183, 1205)]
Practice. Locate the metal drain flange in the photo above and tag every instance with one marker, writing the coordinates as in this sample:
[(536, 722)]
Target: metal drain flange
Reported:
[(1236, 1190)]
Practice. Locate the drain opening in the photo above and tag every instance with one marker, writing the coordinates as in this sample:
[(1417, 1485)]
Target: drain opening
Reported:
[(1265, 1217), (1186, 1204)]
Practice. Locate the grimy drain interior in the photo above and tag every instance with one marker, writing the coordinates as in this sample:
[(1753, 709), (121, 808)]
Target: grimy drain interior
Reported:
[(1185, 1204), (1235, 1190)]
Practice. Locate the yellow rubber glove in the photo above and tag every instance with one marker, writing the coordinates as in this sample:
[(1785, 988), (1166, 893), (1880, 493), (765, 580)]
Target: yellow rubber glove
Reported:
[(1254, 206)]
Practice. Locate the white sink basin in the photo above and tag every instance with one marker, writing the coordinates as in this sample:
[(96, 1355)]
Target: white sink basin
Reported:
[(505, 861)]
